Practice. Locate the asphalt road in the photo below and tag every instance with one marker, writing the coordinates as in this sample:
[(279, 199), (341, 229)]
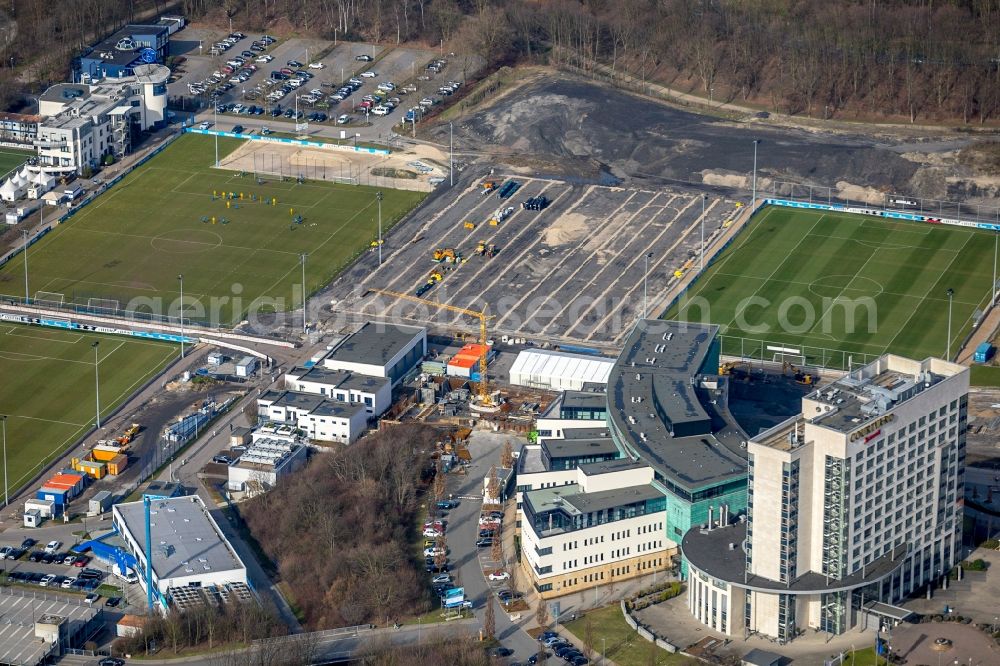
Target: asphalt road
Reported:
[(463, 530)]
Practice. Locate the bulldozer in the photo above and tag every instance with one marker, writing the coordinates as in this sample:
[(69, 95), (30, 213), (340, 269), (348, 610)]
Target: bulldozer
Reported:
[(447, 254), (489, 186), (470, 225), (435, 276)]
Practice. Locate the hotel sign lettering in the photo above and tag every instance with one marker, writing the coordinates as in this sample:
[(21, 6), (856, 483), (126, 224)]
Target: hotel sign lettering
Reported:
[(874, 426)]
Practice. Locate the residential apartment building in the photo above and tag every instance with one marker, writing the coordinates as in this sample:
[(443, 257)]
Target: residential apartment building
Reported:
[(852, 504), (607, 526)]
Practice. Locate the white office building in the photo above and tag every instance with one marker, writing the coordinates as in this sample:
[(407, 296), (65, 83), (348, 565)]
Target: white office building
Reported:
[(84, 122), (559, 371), (608, 526), (374, 392), (853, 505), (320, 418), (188, 548), (268, 459), (380, 350)]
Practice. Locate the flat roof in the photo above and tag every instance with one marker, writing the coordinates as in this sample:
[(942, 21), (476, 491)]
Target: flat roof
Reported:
[(569, 499), (186, 541), (312, 403), (344, 379), (575, 448), (869, 392), (610, 466), (719, 553), (374, 343), (18, 613), (655, 377), (585, 400), (530, 461), (123, 57)]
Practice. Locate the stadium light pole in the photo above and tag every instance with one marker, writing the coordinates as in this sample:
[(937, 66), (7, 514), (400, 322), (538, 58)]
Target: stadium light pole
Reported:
[(180, 277), (451, 153), (3, 419), (753, 202), (996, 239), (97, 381), (24, 232), (305, 321), (703, 198), (947, 351), (645, 274), (215, 125), (378, 197)]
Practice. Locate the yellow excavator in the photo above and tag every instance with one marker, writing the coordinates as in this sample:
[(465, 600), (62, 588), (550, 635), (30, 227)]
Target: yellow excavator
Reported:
[(447, 254), (800, 377)]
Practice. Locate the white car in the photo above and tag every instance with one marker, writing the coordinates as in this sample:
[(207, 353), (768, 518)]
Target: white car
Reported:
[(499, 575), (369, 74), (381, 110), (432, 534), (68, 583), (52, 546), (47, 580), (265, 58), (441, 579), (316, 65), (434, 552), (343, 119)]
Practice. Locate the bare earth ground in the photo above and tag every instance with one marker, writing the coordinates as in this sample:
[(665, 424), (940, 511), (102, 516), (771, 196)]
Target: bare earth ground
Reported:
[(264, 157)]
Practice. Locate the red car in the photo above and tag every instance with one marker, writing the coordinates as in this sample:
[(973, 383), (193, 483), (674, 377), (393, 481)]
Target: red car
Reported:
[(81, 561)]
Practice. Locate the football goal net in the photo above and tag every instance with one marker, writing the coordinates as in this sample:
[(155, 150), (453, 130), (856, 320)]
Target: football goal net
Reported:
[(50, 298)]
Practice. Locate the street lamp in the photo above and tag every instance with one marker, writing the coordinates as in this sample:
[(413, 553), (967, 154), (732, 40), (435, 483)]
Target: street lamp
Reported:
[(378, 197), (645, 275), (97, 382), (947, 349), (3, 420), (215, 126), (181, 279), (305, 321), (753, 202), (704, 197), (996, 238), (451, 153)]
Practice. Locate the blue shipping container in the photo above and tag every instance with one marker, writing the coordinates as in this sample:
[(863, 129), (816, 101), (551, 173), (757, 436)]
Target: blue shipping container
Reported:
[(983, 353), (57, 495)]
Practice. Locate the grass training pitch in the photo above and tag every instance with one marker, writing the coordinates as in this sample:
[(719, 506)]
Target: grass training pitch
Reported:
[(163, 220), (49, 383), (11, 158), (842, 288)]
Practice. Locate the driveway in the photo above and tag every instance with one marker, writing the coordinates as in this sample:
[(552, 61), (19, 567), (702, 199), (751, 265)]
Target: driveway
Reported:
[(463, 530)]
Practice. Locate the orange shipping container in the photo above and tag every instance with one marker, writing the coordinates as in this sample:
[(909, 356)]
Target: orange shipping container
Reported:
[(117, 464), (104, 453), (93, 468)]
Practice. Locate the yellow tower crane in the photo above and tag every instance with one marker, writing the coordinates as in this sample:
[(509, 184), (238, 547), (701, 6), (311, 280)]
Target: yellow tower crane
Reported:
[(483, 385)]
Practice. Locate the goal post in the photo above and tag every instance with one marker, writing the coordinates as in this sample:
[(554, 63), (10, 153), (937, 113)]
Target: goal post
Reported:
[(51, 298), (109, 305)]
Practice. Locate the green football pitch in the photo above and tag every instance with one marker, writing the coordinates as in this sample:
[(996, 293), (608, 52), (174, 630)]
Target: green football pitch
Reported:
[(10, 159), (49, 387), (836, 289), (163, 220)]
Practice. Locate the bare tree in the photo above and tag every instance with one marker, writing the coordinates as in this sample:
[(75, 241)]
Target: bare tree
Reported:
[(489, 622), (542, 612), (507, 456), (493, 486), (252, 413)]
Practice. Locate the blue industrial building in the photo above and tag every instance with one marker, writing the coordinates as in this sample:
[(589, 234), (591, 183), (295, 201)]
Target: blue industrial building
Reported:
[(116, 56)]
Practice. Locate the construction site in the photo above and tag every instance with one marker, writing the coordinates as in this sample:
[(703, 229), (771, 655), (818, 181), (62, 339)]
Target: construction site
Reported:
[(547, 261)]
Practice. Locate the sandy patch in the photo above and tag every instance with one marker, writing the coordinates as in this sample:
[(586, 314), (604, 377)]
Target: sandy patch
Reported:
[(568, 229), (859, 194), (725, 179)]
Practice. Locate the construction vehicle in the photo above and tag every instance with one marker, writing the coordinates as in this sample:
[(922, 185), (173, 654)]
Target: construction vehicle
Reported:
[(535, 203), (485, 250), (129, 434), (435, 276), (798, 375), (489, 186), (447, 254), (470, 225), (482, 387)]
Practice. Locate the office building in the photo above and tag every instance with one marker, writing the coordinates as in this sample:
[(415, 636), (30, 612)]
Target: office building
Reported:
[(321, 419), (380, 350), (188, 548), (121, 54), (269, 458), (374, 392), (852, 505), (86, 122)]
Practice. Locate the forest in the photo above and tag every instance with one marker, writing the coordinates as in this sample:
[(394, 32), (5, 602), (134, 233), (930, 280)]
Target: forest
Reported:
[(342, 531), (911, 60)]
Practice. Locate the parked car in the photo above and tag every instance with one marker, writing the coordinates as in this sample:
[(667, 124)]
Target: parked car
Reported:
[(47, 580), (52, 546), (112, 602), (238, 129), (316, 65), (294, 63), (81, 561), (484, 543), (16, 553), (91, 598), (499, 575), (363, 58), (441, 578), (222, 459), (369, 74), (68, 559)]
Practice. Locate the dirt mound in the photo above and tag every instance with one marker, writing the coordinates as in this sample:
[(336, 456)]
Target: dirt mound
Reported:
[(585, 126)]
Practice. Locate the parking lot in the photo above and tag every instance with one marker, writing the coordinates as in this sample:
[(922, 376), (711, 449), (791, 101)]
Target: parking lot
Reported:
[(571, 272), (332, 67), (34, 566)]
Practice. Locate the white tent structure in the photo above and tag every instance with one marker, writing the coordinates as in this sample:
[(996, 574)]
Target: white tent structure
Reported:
[(11, 190), (41, 182), (558, 371)]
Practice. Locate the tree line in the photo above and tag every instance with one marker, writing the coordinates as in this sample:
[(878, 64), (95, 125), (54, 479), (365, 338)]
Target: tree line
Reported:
[(342, 530), (914, 59)]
